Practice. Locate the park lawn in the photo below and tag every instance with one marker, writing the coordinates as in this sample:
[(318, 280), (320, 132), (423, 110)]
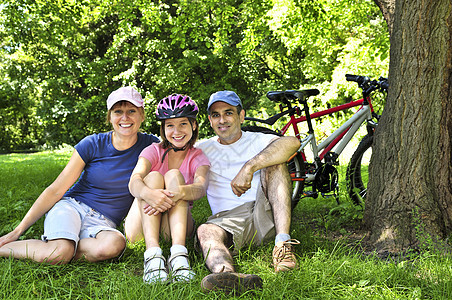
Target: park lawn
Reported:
[(332, 263)]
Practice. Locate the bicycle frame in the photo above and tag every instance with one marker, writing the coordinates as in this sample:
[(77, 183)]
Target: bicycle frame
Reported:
[(340, 137), (320, 174)]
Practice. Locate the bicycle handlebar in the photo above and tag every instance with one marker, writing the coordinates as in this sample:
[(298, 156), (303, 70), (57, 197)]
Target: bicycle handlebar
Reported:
[(384, 83), (368, 85), (357, 78)]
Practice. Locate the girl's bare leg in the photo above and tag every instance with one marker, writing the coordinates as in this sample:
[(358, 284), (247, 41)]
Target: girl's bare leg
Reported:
[(154, 262), (151, 224), (178, 214)]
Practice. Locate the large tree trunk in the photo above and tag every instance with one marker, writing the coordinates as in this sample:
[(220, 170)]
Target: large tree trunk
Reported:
[(410, 192)]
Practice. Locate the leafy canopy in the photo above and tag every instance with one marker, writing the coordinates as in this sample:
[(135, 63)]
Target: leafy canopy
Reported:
[(60, 59)]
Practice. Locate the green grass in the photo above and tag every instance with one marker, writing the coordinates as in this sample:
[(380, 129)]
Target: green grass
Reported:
[(332, 265)]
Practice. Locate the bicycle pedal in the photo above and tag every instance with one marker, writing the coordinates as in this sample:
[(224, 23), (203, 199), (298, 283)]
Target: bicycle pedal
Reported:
[(328, 195), (311, 194)]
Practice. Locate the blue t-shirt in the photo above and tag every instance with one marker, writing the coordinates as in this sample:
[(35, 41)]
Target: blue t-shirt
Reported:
[(103, 185)]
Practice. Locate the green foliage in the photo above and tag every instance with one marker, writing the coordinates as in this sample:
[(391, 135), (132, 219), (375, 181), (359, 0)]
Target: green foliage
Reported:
[(61, 59), (332, 265)]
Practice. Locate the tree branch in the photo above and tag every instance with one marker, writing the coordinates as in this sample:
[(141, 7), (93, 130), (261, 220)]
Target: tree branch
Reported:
[(387, 8)]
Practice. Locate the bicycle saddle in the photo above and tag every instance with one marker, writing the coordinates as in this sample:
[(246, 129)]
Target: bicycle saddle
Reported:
[(282, 96)]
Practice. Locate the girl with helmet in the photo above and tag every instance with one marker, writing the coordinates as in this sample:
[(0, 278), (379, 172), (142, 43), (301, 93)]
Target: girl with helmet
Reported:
[(167, 178)]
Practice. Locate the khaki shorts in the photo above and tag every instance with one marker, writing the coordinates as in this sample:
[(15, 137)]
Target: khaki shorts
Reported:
[(249, 223)]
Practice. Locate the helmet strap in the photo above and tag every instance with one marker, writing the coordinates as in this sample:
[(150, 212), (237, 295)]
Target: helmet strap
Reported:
[(173, 148)]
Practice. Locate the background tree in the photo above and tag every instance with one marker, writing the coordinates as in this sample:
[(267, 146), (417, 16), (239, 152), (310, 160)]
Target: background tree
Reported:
[(410, 197), (61, 59)]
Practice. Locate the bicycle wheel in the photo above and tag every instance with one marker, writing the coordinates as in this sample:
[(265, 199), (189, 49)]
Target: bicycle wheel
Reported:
[(296, 171), (295, 166), (357, 175)]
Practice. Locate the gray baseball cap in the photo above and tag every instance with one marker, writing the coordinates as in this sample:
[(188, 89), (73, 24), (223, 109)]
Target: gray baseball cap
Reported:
[(229, 97)]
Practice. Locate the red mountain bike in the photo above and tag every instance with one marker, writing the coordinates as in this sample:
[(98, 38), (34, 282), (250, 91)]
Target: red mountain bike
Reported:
[(320, 175)]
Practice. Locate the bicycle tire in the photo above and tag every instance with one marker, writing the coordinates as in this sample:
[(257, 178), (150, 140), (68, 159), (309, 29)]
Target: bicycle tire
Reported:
[(295, 166), (296, 170), (357, 171)]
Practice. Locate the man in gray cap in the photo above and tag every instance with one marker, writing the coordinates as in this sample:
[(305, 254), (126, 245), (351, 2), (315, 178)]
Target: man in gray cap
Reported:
[(249, 193)]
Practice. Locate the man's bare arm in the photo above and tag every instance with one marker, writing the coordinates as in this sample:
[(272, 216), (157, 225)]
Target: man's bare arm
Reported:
[(277, 152)]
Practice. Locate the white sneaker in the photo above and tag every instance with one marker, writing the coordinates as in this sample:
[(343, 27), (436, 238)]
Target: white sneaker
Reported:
[(155, 269), (178, 271)]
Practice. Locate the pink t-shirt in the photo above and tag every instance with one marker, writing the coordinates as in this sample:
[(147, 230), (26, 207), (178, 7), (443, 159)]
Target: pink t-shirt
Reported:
[(194, 159)]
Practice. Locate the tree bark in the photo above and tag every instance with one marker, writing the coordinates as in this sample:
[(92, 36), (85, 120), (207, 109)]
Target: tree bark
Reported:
[(409, 201), (387, 9)]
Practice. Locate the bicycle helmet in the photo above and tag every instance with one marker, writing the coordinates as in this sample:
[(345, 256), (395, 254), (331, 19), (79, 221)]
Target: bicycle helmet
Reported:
[(176, 106)]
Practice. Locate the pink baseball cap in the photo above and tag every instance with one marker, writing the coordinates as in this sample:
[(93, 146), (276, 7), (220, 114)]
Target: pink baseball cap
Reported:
[(126, 93)]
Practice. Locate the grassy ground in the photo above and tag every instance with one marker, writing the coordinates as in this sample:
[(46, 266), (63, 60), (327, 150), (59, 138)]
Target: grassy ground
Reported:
[(332, 265)]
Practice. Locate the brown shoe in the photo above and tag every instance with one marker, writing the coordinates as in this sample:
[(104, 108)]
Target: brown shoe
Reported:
[(231, 282), (284, 257)]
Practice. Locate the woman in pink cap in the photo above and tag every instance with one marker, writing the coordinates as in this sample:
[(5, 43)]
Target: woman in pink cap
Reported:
[(90, 197), (167, 178)]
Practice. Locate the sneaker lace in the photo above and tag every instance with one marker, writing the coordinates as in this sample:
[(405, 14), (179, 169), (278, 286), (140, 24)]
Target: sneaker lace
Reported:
[(285, 252)]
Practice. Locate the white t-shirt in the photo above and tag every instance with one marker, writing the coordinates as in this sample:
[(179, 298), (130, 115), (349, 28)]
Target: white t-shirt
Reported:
[(226, 161)]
